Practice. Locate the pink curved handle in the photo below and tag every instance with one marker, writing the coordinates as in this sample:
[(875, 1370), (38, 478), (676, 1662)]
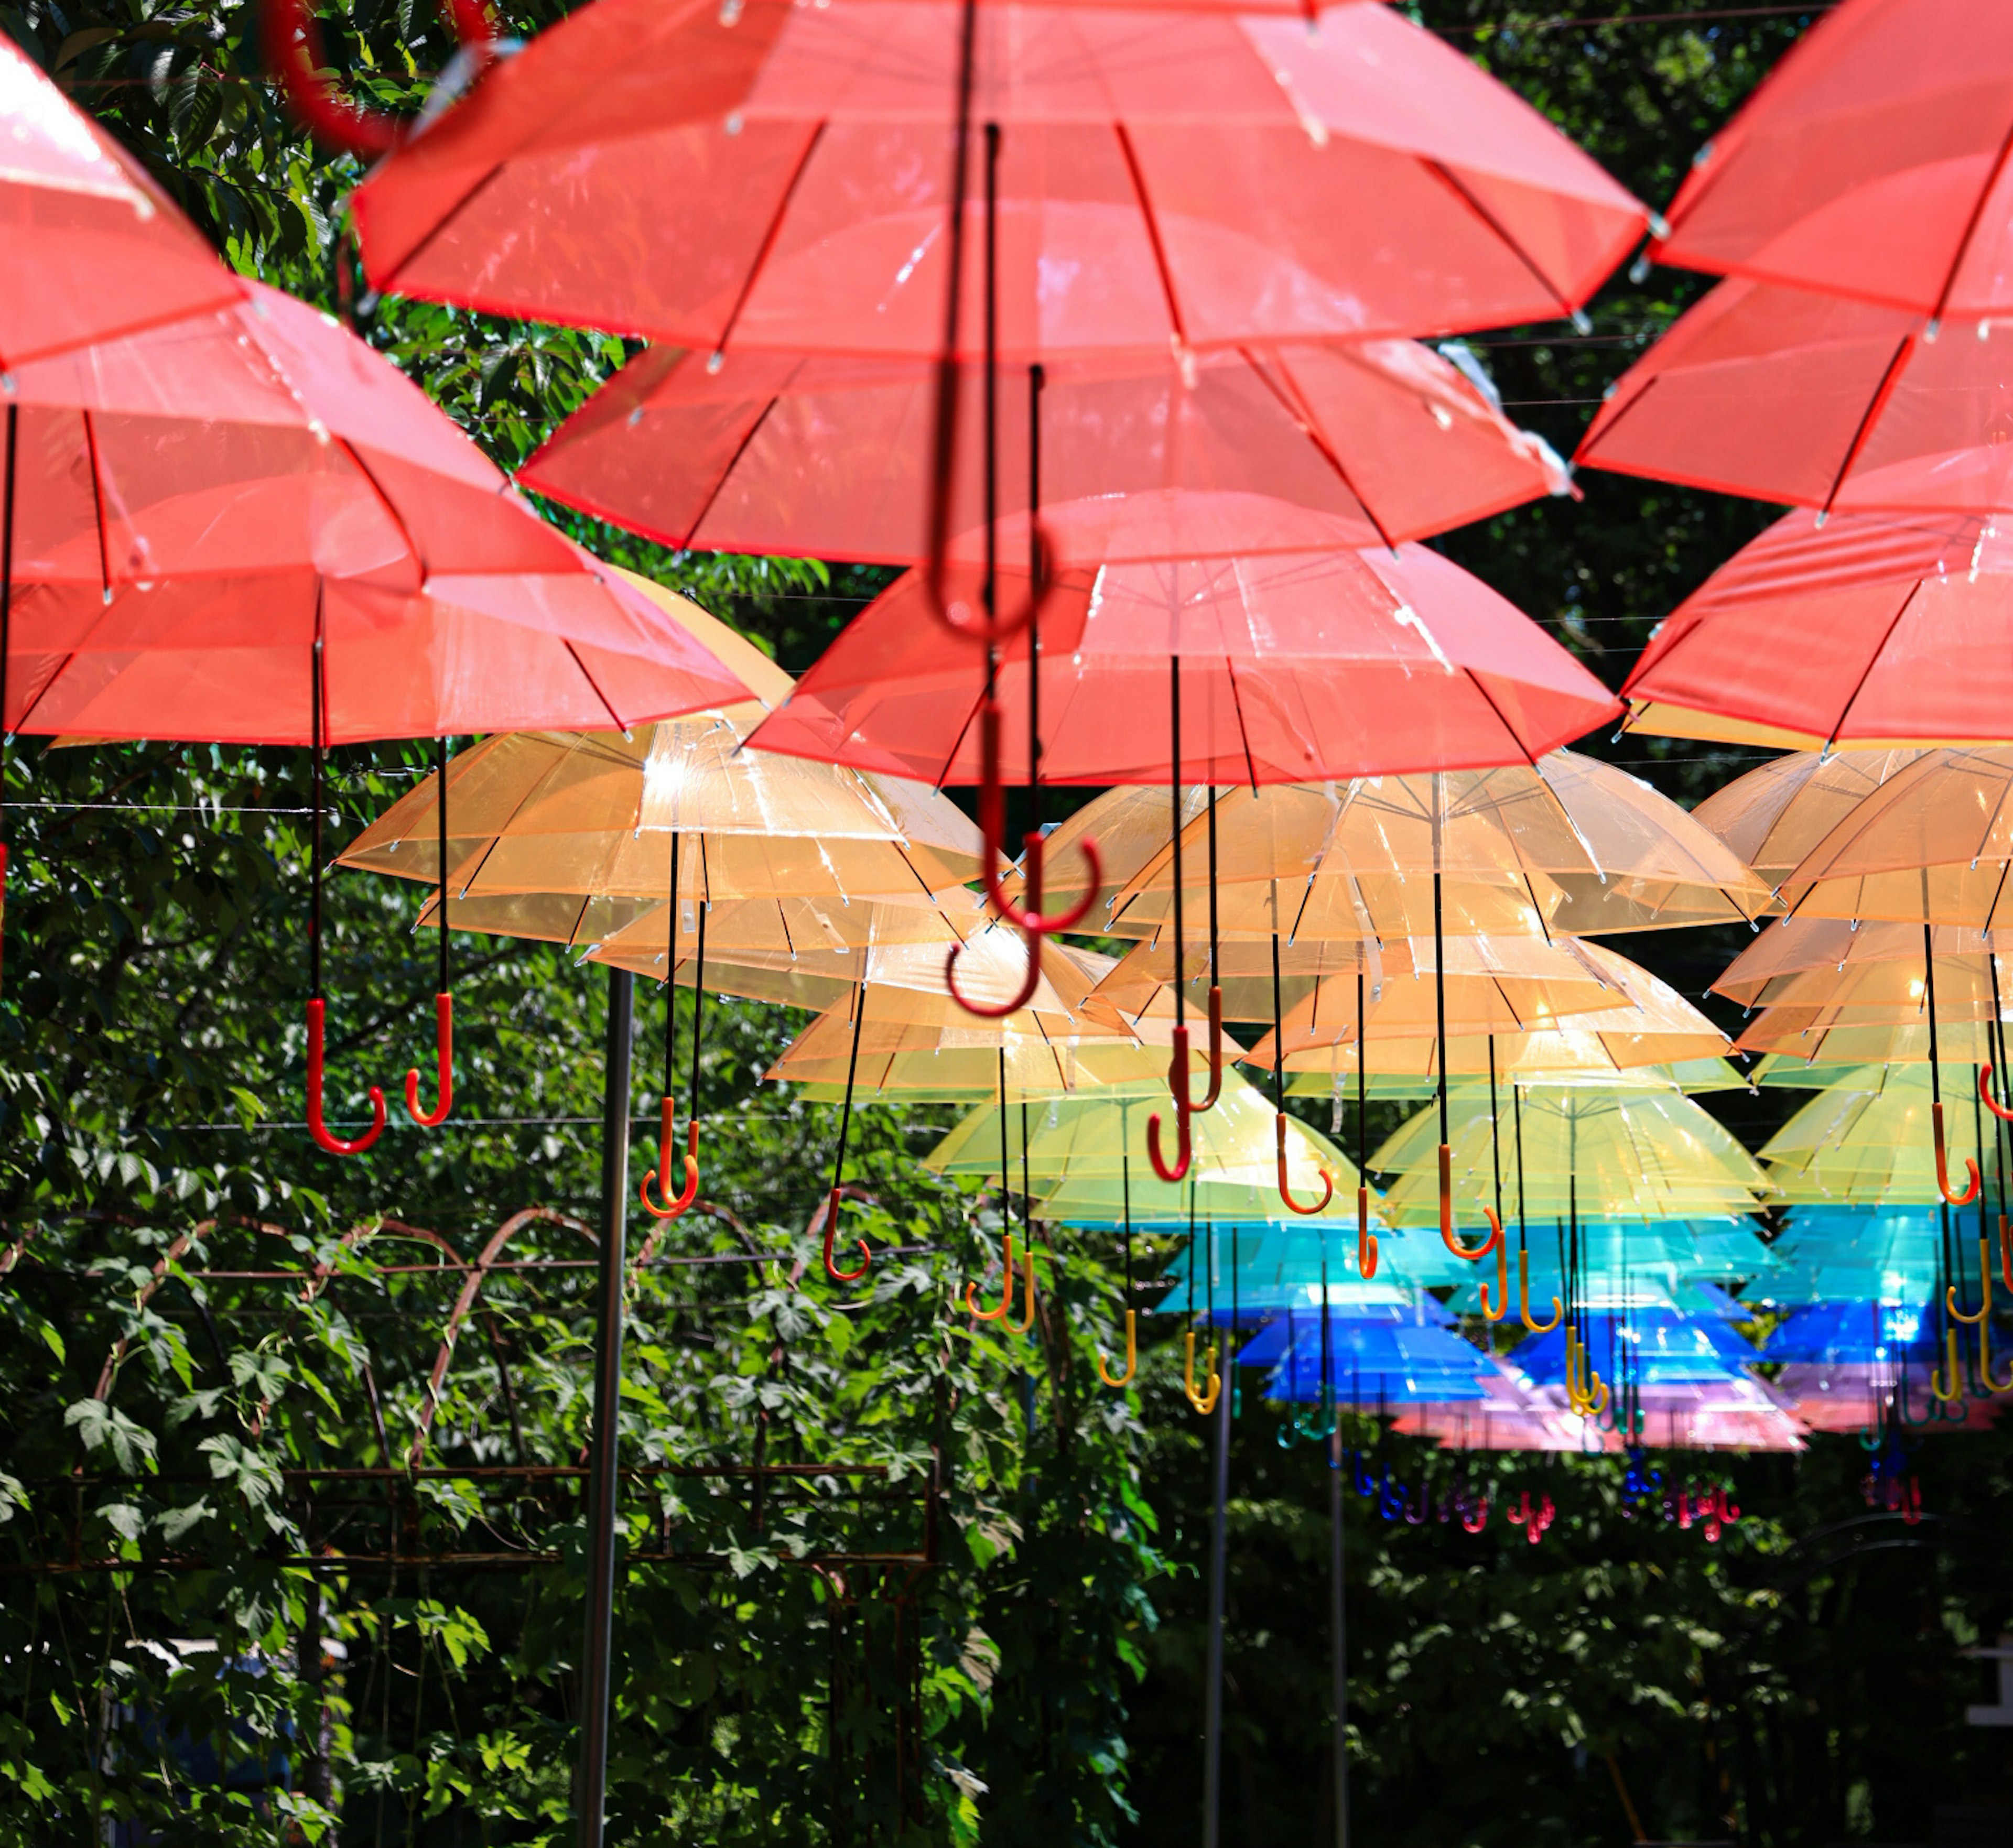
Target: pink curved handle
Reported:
[(831, 1269), (291, 42), (675, 1205), (1475, 1523), (1986, 1091), (443, 1069), (1177, 1083), (1285, 1193), (1943, 1164), (1366, 1240), (317, 1014)]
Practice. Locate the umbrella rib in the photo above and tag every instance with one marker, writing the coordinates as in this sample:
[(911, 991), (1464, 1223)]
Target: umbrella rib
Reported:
[(98, 506), (1153, 232), (1889, 380), (1872, 661), (1294, 406), (439, 224), (1243, 731), (733, 462), (1589, 442), (769, 236), (1448, 178), (1971, 229), (385, 500), (593, 686)]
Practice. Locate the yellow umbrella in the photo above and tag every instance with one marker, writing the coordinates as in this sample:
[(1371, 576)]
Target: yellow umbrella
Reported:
[(1862, 1142), (1775, 814)]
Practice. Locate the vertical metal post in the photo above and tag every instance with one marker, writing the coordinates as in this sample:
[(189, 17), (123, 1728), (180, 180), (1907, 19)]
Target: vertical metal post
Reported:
[(1212, 1725), (591, 1790), (1339, 1639)]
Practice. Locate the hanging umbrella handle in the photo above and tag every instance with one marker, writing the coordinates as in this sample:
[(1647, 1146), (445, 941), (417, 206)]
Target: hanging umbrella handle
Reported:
[(443, 1068), (1524, 1298), (1203, 1402), (1946, 1385), (1991, 1096), (1178, 1079), (1286, 1190), (1027, 1320), (1131, 1355), (316, 1127), (1502, 1284), (1474, 1519), (1029, 982), (831, 1269), (1005, 1289), (675, 1205), (1985, 1364), (1984, 1289), (1366, 1240), (1943, 1164), (292, 45), (1208, 1101), (992, 832), (1449, 1237)]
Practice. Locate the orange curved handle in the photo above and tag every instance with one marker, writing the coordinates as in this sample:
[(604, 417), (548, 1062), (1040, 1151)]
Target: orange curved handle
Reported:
[(1366, 1240), (1524, 1298), (979, 1009), (1943, 1164), (1005, 1289), (1027, 1320), (1984, 1289), (317, 1015), (1986, 1091), (674, 1205), (1285, 1193), (1502, 1282), (292, 45), (831, 1269), (1208, 1101), (1132, 1353), (1449, 1237), (443, 1069)]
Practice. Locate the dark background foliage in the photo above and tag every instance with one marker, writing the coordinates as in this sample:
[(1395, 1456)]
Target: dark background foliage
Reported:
[(1798, 1683)]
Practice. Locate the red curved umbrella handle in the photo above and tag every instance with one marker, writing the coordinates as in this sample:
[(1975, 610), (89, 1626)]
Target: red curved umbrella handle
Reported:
[(989, 631), (1986, 1091), (1028, 983), (1285, 1193), (1502, 1282), (1475, 1522), (1449, 1237), (317, 1016), (1366, 1240), (1178, 1083), (993, 830), (677, 1204), (291, 42), (1005, 1289), (1943, 1164), (831, 1269), (443, 1068)]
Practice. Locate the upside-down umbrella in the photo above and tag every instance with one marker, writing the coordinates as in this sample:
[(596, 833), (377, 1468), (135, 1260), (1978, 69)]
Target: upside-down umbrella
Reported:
[(244, 526), (1877, 630), (785, 177), (1238, 451)]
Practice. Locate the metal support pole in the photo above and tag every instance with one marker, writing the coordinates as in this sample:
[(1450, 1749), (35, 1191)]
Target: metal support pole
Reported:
[(603, 1481), (1212, 1726), (1340, 1636)]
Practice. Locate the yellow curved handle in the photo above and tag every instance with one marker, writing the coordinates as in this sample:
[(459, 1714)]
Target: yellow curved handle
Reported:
[(1949, 1385), (1943, 1164), (1132, 1353), (1027, 1320), (1204, 1403), (1524, 1298), (1984, 1289), (1006, 1289), (1502, 1282), (1366, 1240)]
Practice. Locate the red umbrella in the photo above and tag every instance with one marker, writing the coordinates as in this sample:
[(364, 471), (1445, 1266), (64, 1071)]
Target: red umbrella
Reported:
[(1295, 449), (246, 528), (92, 246), (1872, 163), (1818, 401), (1877, 629), (1289, 668), (767, 174)]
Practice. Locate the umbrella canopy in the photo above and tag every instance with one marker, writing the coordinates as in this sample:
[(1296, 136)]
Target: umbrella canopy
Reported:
[(207, 508), (914, 1062), (1293, 449), (1870, 1144), (93, 248), (1664, 1346), (1932, 844), (1815, 401), (1778, 812), (1494, 984), (1626, 1155), (1871, 163), (1191, 178), (1812, 959), (1617, 855), (1648, 1023), (1290, 666), (1875, 629)]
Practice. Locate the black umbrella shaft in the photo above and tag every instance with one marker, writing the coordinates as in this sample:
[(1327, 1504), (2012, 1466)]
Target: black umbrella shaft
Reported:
[(603, 1482), (440, 818), (7, 585), (1174, 823), (1338, 1637), (1439, 995), (1212, 1796)]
